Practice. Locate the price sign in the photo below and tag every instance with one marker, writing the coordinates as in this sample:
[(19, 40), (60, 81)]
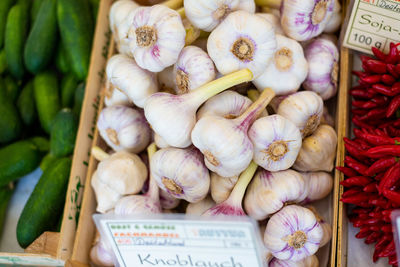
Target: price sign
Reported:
[(176, 240), (373, 23)]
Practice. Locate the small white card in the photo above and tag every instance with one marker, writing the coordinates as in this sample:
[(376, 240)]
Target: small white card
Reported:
[(373, 23), (176, 240)]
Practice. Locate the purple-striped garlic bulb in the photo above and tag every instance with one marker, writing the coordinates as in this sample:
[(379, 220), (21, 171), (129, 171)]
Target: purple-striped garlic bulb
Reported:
[(323, 60), (200, 207), (336, 19), (233, 205), (156, 37), (181, 172), (242, 40), (101, 253), (304, 109), (114, 97), (228, 104), (319, 185), (327, 228), (305, 19), (208, 14), (274, 20), (168, 201), (193, 69), (275, 149), (124, 74), (124, 128), (221, 187), (310, 261), (287, 70), (293, 233), (268, 192), (224, 142)]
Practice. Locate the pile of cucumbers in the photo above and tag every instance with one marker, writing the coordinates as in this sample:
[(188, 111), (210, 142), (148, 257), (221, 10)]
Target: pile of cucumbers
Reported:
[(45, 48)]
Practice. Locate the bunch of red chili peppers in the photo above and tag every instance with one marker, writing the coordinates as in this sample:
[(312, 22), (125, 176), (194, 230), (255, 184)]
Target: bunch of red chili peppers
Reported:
[(372, 166)]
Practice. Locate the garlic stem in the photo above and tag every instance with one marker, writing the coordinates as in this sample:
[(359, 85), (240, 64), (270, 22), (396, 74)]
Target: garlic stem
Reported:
[(192, 34), (99, 153), (241, 185), (181, 12), (253, 94), (173, 4), (153, 192), (269, 3)]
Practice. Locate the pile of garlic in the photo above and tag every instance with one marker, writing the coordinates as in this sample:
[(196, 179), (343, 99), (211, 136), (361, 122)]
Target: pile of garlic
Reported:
[(183, 81)]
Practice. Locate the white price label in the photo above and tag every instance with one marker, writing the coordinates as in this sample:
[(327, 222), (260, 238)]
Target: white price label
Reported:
[(373, 23), (181, 241)]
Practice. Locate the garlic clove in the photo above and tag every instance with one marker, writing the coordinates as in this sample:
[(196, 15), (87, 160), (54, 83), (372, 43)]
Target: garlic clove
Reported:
[(124, 128), (193, 69), (319, 185), (200, 207), (160, 142), (304, 109), (334, 23), (303, 20), (125, 75), (114, 97), (318, 151), (268, 192), (310, 261), (167, 201), (242, 40), (181, 172), (228, 104), (287, 70), (221, 187), (106, 196), (278, 149), (293, 233), (156, 37), (274, 20)]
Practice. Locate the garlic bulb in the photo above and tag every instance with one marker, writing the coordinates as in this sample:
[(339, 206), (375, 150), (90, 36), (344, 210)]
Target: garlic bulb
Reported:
[(224, 142), (274, 20), (181, 172), (125, 75), (114, 97), (319, 185), (287, 70), (323, 60), (327, 228), (242, 40), (207, 14), (166, 80), (168, 201), (120, 174), (193, 69), (228, 104), (160, 142), (304, 109), (200, 207), (221, 187), (305, 19), (293, 233), (156, 37), (101, 253), (124, 128), (233, 205), (336, 19), (276, 149), (310, 261), (318, 151), (268, 192)]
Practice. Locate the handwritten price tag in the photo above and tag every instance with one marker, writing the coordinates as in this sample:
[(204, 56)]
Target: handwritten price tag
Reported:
[(176, 240), (373, 23)]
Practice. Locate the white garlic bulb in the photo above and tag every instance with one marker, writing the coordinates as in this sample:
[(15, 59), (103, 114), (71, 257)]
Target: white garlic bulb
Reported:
[(114, 97), (287, 70), (242, 40), (181, 172), (319, 185), (101, 253), (166, 80), (228, 104), (310, 261), (193, 69), (326, 227), (160, 142), (293, 233), (168, 201), (124, 128), (304, 109), (207, 14), (305, 19), (276, 149), (200, 207), (106, 196), (156, 37), (274, 20), (318, 151), (270, 191), (221, 187), (323, 60), (224, 142), (137, 83), (336, 19)]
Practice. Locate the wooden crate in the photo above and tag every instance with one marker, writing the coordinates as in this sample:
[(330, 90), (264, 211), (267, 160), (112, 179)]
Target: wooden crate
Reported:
[(51, 248), (86, 228)]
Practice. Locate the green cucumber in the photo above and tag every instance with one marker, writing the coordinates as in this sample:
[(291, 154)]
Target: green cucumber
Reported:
[(12, 88), (47, 161), (5, 6), (10, 122), (41, 43), (76, 28), (63, 133), (45, 205), (35, 10), (42, 143), (3, 61), (5, 196), (15, 35), (62, 61), (47, 99), (78, 99), (26, 104), (68, 86)]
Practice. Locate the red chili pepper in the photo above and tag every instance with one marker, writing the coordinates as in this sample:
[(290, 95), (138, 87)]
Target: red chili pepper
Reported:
[(363, 234), (387, 228), (371, 79), (365, 58), (351, 192), (379, 176), (398, 69), (393, 196), (393, 106), (393, 56), (378, 140), (379, 54), (371, 188), (393, 260), (392, 175), (387, 213), (361, 93), (364, 145), (358, 223), (359, 111), (383, 89), (355, 165), (383, 151), (392, 131), (347, 171), (376, 66), (356, 181), (360, 210), (360, 123), (380, 202), (364, 216), (396, 88), (388, 79), (375, 256), (382, 243), (392, 70), (359, 74), (387, 250), (376, 113), (381, 165), (372, 238), (355, 152), (356, 198)]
